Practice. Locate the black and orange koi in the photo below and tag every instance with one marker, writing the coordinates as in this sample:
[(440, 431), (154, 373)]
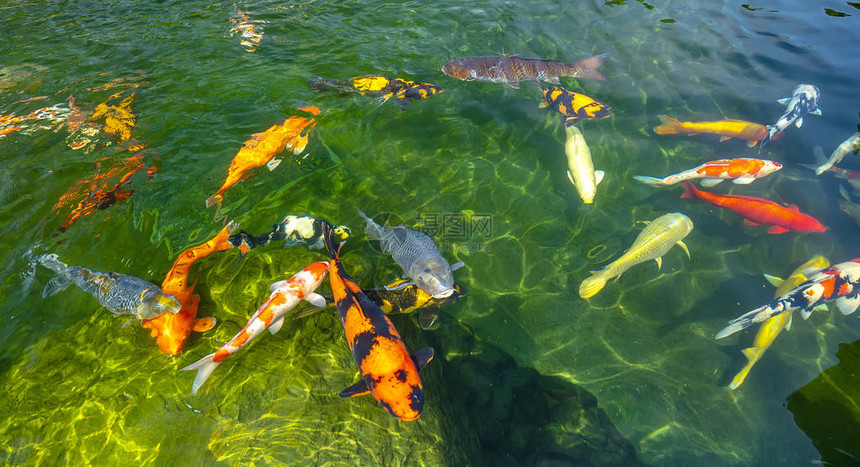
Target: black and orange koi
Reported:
[(388, 372)]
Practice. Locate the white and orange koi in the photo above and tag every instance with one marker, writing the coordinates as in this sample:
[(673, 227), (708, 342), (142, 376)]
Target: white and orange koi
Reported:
[(839, 284), (285, 296), (742, 171)]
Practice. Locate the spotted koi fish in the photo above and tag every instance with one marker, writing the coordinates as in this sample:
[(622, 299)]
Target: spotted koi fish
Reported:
[(752, 133), (171, 331), (285, 296), (803, 100), (262, 148), (772, 327), (293, 230), (120, 293), (403, 91), (388, 372), (574, 106), (741, 171), (839, 284), (511, 69)]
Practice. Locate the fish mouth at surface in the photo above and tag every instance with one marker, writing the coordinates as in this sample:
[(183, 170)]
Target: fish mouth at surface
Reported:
[(444, 294)]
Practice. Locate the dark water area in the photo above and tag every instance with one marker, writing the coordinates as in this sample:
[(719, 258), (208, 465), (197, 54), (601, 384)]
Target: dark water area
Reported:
[(526, 371)]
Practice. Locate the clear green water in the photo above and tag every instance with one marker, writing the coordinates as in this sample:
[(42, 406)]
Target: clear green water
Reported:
[(526, 370)]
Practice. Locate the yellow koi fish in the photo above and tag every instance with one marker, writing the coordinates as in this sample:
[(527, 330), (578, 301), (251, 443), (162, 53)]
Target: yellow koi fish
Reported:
[(653, 242), (773, 326), (752, 133)]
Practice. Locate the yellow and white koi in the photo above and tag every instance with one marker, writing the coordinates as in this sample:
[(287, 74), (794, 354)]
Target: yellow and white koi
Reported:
[(580, 167), (658, 237), (773, 326)]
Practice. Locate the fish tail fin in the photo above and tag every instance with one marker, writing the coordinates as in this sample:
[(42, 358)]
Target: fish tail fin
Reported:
[(587, 67), (771, 130), (690, 191), (593, 284), (652, 181), (742, 375), (744, 321), (668, 126), (818, 154), (205, 366), (61, 279), (372, 229), (329, 240), (215, 199)]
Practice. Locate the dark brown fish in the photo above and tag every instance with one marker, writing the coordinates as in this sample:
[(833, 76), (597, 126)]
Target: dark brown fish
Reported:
[(512, 69)]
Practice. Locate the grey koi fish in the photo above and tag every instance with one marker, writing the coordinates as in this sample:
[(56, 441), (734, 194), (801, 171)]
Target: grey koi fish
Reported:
[(803, 100), (120, 293), (417, 254)]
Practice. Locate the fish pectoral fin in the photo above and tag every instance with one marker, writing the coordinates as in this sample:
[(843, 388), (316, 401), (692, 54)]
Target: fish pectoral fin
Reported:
[(788, 324), (276, 325), (553, 80), (793, 207), (744, 180), (315, 299), (799, 122), (848, 305), (276, 285), (817, 111), (204, 324), (514, 84), (750, 352), (725, 138), (821, 308), (659, 261), (784, 100), (571, 121), (749, 222), (427, 317), (805, 312), (777, 229), (570, 177), (422, 357), (400, 286), (773, 280), (708, 182), (274, 162), (684, 247), (543, 104), (598, 176), (457, 265), (357, 389)]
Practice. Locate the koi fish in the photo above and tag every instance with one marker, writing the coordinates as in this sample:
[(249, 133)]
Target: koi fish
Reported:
[(248, 32), (574, 106), (511, 69), (403, 91), (752, 133), (658, 237), (171, 331), (120, 293), (285, 296), (849, 146), (771, 327), (839, 284), (262, 148), (388, 372), (580, 168), (803, 100), (54, 115), (741, 171), (848, 206), (417, 254), (758, 211), (294, 230), (402, 297)]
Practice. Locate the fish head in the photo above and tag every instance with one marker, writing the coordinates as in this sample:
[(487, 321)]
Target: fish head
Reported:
[(341, 233), (156, 303), (397, 387), (433, 275), (457, 69), (769, 168)]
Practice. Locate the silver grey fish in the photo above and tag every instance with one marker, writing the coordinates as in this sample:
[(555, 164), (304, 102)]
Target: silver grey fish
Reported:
[(417, 254), (120, 293), (849, 146)]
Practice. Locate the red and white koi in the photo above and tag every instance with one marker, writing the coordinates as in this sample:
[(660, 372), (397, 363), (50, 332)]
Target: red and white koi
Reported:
[(742, 171), (839, 284), (285, 296)]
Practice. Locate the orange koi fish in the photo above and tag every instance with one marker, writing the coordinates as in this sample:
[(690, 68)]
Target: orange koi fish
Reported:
[(752, 133), (284, 297), (758, 211), (172, 331), (741, 171), (388, 372), (262, 148)]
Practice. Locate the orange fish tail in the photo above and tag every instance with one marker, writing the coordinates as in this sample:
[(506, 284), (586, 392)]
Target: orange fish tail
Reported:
[(328, 238), (669, 126), (690, 191)]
